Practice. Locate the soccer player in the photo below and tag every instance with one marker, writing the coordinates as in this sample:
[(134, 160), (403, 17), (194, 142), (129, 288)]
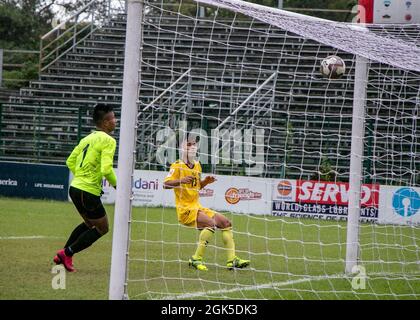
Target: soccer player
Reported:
[(90, 161), (185, 178)]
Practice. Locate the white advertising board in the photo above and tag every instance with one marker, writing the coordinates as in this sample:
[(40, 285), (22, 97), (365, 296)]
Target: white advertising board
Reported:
[(396, 11), (399, 205), (238, 194), (283, 197), (228, 193), (147, 190)]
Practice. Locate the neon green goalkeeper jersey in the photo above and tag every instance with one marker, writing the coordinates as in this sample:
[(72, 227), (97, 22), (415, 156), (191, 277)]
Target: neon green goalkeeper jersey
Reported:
[(91, 160)]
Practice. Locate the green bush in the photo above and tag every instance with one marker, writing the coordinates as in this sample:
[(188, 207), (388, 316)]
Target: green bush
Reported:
[(16, 79)]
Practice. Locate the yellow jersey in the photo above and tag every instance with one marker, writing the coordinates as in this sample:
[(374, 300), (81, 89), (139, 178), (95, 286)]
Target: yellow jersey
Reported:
[(186, 195)]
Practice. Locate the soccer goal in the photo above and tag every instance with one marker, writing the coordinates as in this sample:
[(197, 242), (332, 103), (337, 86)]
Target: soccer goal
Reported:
[(319, 176)]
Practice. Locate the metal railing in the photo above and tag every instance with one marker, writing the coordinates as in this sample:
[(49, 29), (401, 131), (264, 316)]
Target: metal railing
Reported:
[(60, 40), (41, 133), (76, 28), (167, 108)]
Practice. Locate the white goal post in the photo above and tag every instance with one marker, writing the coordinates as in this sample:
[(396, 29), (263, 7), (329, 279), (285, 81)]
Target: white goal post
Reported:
[(355, 183), (126, 153)]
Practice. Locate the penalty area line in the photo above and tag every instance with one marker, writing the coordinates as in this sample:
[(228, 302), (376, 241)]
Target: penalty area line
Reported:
[(272, 285)]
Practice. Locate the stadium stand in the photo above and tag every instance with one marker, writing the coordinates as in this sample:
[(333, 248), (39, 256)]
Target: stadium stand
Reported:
[(45, 120)]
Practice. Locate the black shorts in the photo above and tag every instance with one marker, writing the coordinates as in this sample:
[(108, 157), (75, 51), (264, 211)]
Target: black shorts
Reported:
[(87, 204)]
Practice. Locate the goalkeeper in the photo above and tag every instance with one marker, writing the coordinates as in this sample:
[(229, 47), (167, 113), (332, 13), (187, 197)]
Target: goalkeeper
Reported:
[(185, 178), (90, 161)]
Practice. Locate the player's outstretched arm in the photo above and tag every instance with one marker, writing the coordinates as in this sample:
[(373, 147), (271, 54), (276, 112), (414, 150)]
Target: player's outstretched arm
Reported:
[(207, 180)]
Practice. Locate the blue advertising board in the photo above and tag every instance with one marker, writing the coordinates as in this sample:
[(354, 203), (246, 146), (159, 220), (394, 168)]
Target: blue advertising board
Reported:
[(37, 181)]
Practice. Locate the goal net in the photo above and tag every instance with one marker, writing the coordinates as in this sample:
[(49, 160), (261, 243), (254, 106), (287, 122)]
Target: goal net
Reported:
[(283, 143)]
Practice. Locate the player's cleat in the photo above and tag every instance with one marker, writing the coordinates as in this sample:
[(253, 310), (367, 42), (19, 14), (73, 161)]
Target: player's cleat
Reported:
[(65, 260), (237, 263), (197, 264), (57, 260)]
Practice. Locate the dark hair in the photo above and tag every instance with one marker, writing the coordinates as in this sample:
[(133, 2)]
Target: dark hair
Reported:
[(100, 111)]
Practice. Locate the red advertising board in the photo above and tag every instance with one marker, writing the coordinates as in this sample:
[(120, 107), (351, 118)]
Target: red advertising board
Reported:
[(322, 199), (321, 192), (367, 9)]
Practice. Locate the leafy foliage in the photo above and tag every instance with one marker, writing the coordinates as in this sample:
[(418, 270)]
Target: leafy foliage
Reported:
[(22, 23)]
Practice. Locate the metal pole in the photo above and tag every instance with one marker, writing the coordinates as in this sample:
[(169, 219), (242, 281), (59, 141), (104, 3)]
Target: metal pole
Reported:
[(40, 57), (367, 164), (1, 125), (79, 124), (1, 67), (75, 34), (355, 183), (202, 12), (151, 104), (117, 287), (280, 6), (247, 99)]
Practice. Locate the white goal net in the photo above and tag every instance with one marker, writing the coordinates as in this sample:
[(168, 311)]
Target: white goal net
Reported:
[(245, 81)]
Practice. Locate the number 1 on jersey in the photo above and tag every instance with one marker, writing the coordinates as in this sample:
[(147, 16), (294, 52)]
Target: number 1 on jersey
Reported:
[(84, 154)]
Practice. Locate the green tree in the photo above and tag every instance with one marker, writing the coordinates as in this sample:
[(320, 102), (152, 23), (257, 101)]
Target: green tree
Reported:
[(324, 4), (20, 26), (22, 23)]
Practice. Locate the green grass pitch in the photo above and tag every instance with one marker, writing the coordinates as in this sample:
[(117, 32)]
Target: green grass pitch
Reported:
[(291, 259)]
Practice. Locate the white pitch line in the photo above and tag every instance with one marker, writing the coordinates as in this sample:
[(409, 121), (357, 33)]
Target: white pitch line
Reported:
[(27, 237), (271, 285)]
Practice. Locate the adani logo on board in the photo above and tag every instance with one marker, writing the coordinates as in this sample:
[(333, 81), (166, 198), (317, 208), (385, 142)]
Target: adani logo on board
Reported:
[(143, 184)]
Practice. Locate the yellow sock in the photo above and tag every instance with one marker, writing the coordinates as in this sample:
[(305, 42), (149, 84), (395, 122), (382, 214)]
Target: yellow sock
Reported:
[(203, 240), (227, 236)]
